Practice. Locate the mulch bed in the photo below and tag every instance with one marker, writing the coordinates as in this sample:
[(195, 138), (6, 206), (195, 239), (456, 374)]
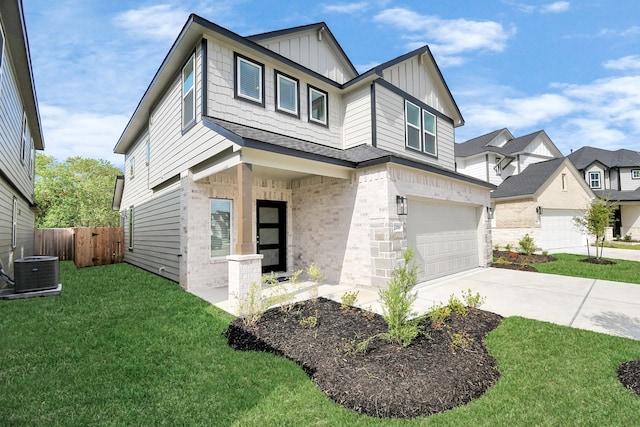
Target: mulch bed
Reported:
[(518, 261), (629, 375), (431, 375)]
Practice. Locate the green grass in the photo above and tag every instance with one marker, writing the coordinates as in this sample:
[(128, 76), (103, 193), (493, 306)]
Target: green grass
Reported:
[(629, 246), (125, 347), (572, 265)]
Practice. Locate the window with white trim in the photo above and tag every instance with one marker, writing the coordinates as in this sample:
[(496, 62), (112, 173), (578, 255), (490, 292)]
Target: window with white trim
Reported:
[(594, 180), (132, 167), (14, 224), (220, 231), (286, 94), (635, 173), (429, 133), (412, 119), (26, 137), (318, 106), (249, 80), (189, 92)]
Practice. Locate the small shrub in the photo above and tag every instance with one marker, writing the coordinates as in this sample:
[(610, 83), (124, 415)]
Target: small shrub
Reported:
[(439, 314), (501, 260), (472, 300), (397, 299), (315, 275), (348, 299), (253, 305), (527, 245), (309, 322), (496, 247), (627, 237), (545, 253), (507, 247), (457, 306), (459, 340)]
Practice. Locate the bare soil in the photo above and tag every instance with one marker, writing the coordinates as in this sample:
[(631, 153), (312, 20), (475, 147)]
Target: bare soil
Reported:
[(443, 368)]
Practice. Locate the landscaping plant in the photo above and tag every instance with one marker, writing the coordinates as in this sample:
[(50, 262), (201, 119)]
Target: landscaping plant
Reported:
[(595, 220), (397, 299), (527, 245)]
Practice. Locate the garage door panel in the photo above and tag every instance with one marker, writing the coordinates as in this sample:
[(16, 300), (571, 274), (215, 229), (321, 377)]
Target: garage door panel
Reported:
[(444, 237), (559, 230)]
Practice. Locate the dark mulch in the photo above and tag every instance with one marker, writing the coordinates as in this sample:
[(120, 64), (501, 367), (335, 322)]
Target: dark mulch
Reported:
[(598, 261), (629, 375), (518, 261), (427, 377)]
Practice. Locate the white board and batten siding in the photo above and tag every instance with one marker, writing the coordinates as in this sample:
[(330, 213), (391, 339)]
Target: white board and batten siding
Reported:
[(223, 104), (390, 130), (313, 52), (474, 166), (357, 118)]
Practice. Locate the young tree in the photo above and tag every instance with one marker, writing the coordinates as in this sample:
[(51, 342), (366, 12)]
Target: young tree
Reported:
[(75, 193), (595, 220)]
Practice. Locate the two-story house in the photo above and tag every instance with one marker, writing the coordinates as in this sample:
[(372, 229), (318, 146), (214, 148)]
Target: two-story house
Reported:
[(271, 152), (539, 192), (20, 135), (614, 176)]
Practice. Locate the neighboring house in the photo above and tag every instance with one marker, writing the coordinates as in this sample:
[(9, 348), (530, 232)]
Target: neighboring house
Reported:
[(498, 155), (271, 152), (541, 201), (614, 176), (20, 135)]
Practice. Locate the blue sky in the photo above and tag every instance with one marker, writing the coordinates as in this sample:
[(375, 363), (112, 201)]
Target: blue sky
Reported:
[(571, 68)]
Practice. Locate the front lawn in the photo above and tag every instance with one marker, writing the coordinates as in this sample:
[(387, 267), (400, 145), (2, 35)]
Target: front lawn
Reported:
[(572, 265), (124, 347)]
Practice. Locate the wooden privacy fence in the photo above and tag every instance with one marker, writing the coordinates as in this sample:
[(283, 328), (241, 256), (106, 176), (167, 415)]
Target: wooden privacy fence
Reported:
[(86, 246)]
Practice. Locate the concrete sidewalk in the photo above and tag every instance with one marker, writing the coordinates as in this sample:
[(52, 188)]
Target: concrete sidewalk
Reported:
[(597, 305)]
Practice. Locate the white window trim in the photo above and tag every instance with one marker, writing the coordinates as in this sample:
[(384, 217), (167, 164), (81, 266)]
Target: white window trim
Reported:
[(408, 124), (296, 111), (132, 167), (599, 179), (191, 91), (635, 173), (325, 95), (14, 224), (25, 138), (434, 134), (260, 67), (231, 227)]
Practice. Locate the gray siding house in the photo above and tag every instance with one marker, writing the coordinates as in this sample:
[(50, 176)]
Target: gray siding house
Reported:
[(271, 152), (20, 135), (614, 176)]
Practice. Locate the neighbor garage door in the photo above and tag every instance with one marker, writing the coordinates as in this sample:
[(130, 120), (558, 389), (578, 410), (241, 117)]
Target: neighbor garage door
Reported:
[(558, 229), (444, 237)]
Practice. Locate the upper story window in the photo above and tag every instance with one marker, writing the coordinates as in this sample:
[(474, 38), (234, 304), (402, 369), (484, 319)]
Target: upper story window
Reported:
[(287, 94), (318, 106), (594, 180), (429, 131), (188, 92), (249, 80), (564, 181), (498, 166), (132, 167), (412, 117), (24, 147), (635, 173)]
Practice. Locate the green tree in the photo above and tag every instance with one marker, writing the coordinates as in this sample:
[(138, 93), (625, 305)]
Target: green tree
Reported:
[(595, 220), (75, 193)]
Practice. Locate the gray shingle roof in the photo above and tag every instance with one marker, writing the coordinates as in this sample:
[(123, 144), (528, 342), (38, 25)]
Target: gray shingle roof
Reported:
[(619, 196), (509, 149), (527, 182), (359, 156), (585, 156)]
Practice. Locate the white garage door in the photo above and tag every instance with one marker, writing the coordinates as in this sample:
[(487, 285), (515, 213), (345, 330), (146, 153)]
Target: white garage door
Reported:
[(444, 237), (558, 229)]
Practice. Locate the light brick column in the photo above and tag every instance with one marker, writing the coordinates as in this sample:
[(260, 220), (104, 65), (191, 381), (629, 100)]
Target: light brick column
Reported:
[(243, 271)]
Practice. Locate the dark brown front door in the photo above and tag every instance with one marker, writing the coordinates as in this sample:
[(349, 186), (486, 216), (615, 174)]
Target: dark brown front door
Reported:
[(272, 235)]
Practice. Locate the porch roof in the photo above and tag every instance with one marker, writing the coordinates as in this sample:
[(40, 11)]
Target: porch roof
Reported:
[(357, 157), (619, 196)]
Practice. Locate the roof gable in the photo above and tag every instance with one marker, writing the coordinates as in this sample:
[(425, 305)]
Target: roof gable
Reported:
[(484, 143), (529, 181), (586, 156), (312, 46)]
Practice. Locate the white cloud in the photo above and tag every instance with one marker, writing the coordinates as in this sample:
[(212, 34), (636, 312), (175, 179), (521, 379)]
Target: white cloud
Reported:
[(448, 38), (631, 62), (557, 7), (345, 7), (71, 133), (162, 21), (628, 32)]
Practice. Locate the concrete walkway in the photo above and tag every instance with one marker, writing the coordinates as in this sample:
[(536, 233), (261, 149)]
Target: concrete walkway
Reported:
[(596, 305)]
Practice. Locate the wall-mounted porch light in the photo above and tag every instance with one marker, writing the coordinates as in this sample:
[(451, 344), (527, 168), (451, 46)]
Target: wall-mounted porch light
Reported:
[(402, 205), (539, 210), (489, 212)]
